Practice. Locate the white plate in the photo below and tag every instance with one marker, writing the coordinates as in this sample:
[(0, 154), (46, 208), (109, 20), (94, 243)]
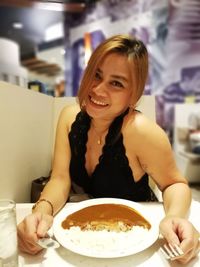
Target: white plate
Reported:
[(104, 244)]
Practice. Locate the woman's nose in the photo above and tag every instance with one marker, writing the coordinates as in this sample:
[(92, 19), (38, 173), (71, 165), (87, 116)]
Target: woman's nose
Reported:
[(100, 87)]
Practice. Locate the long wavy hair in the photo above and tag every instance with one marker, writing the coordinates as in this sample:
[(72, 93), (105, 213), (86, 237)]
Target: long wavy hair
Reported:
[(137, 55)]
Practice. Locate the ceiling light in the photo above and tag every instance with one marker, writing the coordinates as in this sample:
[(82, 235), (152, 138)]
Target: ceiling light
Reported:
[(54, 32), (62, 51), (17, 25)]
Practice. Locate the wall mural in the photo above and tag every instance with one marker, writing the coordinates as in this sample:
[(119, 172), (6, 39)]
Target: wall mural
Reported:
[(171, 33)]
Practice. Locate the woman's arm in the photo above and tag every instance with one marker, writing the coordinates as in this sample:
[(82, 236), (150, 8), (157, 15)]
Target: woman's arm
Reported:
[(55, 193), (156, 158), (57, 189), (177, 200), (155, 155)]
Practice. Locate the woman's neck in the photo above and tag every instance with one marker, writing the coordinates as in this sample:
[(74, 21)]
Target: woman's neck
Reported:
[(100, 126), (99, 130)]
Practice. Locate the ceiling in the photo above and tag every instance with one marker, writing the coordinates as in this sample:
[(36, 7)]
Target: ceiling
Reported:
[(36, 17)]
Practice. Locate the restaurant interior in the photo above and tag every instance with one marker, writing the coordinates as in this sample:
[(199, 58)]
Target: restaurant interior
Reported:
[(45, 46)]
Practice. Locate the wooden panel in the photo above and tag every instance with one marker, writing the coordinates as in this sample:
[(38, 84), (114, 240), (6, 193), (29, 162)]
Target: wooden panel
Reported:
[(68, 7), (41, 66)]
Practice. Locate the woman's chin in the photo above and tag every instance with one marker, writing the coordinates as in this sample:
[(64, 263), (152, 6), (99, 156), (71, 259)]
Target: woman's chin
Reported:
[(94, 113), (95, 110)]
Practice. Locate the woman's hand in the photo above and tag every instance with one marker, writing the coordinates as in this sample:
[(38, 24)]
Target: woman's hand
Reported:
[(181, 232), (33, 227)]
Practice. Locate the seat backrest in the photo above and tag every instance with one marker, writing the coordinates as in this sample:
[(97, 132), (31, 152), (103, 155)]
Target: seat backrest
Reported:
[(25, 139)]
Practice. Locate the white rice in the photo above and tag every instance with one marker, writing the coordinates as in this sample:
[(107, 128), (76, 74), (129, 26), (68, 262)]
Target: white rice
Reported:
[(101, 241)]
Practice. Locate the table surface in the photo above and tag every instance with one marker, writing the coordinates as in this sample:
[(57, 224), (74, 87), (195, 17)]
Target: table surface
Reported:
[(150, 257)]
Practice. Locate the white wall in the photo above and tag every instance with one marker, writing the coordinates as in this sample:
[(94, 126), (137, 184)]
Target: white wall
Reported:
[(10, 68)]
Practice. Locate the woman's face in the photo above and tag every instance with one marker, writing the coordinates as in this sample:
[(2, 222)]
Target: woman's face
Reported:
[(110, 93)]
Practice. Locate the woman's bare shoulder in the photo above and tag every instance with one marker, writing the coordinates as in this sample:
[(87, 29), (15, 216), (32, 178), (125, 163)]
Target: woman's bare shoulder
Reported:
[(71, 109), (68, 113), (145, 129)]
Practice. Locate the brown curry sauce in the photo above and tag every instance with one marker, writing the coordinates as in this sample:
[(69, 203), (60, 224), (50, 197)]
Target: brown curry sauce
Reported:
[(110, 213)]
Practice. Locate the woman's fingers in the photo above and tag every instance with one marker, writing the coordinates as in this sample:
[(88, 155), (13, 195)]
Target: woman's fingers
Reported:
[(31, 229), (181, 232), (190, 254), (28, 247), (44, 225)]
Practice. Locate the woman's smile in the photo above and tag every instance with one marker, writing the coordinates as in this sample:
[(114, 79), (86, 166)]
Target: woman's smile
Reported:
[(96, 102)]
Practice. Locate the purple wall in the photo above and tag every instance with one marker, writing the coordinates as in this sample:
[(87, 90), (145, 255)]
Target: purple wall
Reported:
[(171, 32)]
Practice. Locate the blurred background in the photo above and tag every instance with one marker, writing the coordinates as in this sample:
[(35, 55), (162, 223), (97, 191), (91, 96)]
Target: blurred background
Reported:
[(45, 46)]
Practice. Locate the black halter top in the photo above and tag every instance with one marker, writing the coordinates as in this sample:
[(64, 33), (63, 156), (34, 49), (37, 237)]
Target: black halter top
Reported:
[(112, 176)]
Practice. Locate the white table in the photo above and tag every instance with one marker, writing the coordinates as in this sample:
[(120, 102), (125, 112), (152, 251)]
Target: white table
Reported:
[(150, 257)]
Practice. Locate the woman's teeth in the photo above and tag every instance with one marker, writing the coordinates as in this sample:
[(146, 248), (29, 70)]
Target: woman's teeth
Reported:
[(98, 102)]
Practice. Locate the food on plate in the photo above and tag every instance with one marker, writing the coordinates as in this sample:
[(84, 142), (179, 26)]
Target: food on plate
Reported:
[(110, 217)]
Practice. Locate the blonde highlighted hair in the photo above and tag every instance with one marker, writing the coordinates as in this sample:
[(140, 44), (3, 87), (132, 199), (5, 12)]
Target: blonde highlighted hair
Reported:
[(137, 55)]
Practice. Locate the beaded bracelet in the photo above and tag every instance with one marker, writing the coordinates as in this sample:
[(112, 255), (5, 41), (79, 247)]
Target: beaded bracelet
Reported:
[(46, 200)]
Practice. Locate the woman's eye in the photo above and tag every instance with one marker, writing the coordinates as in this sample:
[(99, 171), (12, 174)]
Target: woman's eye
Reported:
[(117, 84), (97, 76)]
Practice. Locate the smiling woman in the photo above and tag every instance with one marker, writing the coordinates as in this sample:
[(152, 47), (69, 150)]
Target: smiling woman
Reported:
[(111, 85), (131, 51), (106, 148)]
